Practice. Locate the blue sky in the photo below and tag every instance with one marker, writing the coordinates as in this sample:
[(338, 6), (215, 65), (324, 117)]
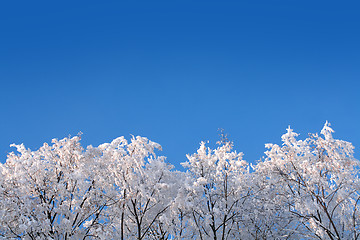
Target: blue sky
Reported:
[(176, 71)]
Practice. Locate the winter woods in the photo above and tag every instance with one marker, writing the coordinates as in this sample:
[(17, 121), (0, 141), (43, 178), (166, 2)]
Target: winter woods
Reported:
[(303, 189)]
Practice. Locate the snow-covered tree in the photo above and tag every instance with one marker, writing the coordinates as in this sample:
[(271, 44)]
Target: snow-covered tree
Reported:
[(46, 195), (217, 191), (141, 183), (318, 181)]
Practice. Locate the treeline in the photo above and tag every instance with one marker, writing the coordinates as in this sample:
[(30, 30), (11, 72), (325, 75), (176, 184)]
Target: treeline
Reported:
[(303, 189)]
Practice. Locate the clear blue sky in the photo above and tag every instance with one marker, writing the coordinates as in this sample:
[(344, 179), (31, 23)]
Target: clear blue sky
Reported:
[(176, 71)]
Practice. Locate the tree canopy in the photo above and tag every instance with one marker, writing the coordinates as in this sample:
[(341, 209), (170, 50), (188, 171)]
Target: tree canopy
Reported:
[(302, 189)]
